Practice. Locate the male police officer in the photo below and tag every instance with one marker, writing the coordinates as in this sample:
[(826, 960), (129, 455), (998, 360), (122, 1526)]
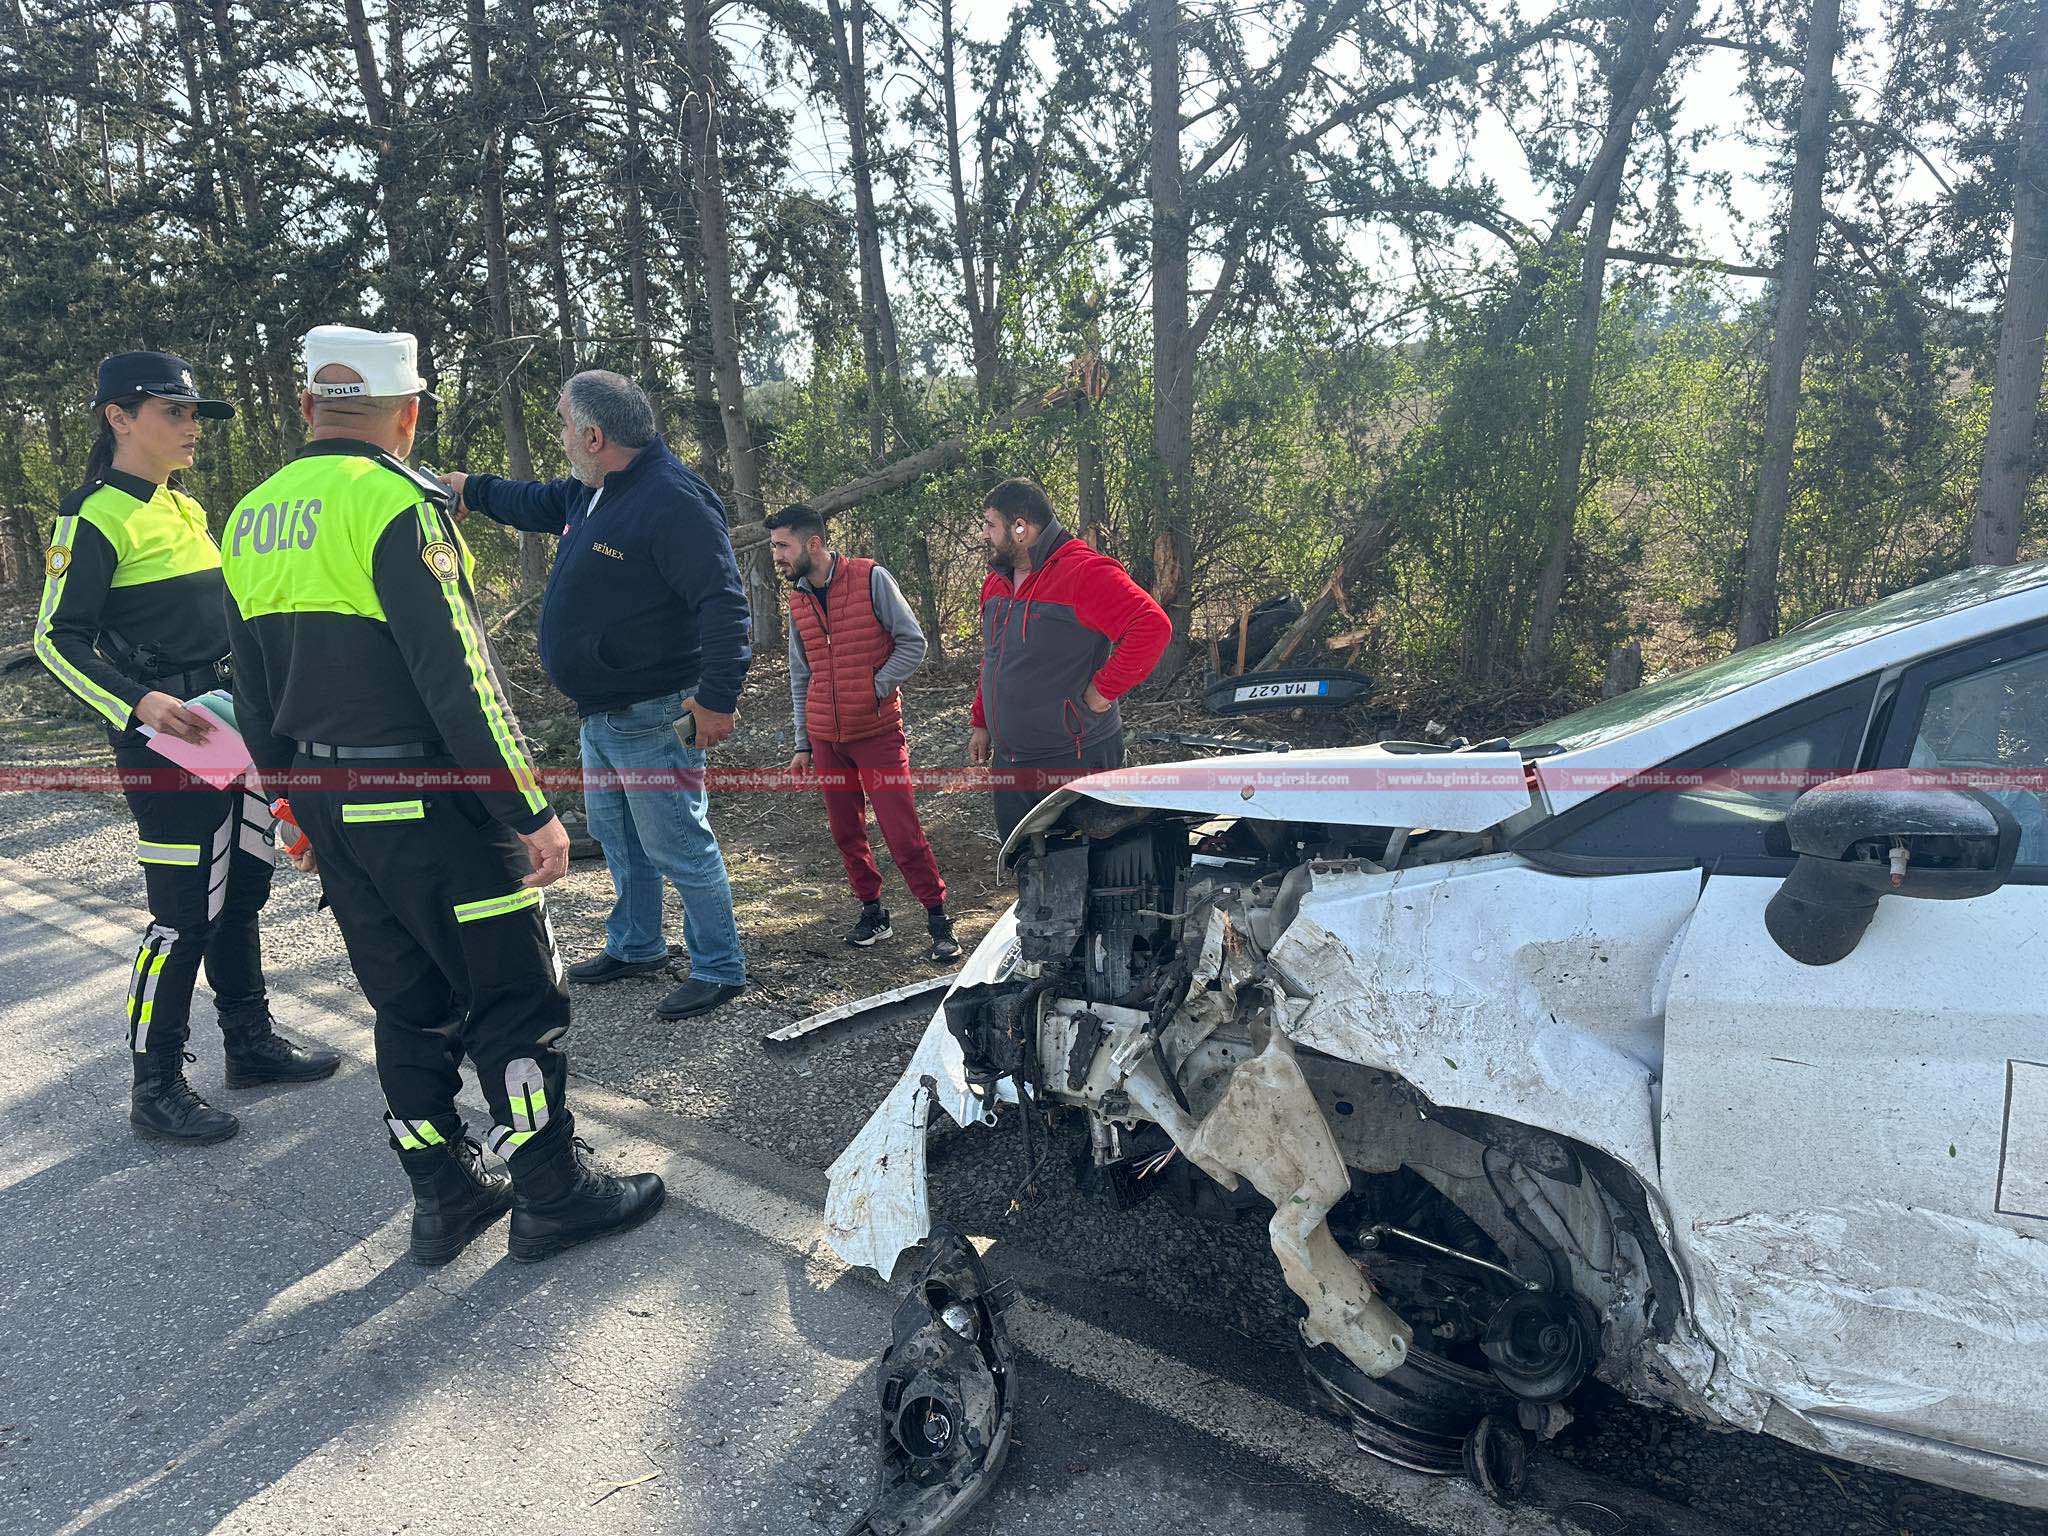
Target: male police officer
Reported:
[(360, 656)]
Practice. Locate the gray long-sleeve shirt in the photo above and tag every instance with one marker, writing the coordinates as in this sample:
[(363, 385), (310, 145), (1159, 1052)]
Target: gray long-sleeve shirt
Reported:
[(905, 657)]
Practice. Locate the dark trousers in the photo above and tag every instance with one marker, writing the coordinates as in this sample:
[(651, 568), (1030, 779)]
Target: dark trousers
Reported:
[(1020, 783), (453, 953), (876, 771), (206, 865)]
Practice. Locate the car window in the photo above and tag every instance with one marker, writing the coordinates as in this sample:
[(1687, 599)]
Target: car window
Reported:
[(1656, 702), (1721, 801), (1993, 725)]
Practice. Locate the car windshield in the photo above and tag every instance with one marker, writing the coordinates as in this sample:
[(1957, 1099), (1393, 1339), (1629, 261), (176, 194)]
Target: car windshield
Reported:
[(1656, 702)]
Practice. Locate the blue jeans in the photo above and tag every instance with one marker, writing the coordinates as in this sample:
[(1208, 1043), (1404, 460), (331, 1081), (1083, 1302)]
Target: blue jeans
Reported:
[(658, 829)]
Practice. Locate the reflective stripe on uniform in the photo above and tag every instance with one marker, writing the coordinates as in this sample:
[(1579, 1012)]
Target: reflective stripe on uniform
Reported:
[(496, 906), (413, 1135), (479, 676), (217, 876), (526, 1093), (504, 1141), (149, 964), (253, 835), (385, 810), (100, 699), (186, 854)]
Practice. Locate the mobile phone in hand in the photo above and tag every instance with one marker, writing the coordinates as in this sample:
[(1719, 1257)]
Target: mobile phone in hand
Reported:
[(686, 729)]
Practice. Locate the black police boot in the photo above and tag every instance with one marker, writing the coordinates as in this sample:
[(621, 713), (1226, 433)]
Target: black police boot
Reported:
[(454, 1198), (164, 1105), (558, 1201), (258, 1054)]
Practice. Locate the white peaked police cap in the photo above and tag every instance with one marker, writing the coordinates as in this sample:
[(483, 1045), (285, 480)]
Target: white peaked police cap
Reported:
[(386, 361)]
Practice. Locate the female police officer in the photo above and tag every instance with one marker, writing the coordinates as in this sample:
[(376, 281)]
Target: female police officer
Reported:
[(133, 622)]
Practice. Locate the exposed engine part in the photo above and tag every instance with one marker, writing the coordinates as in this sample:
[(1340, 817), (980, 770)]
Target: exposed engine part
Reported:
[(1375, 1236), (945, 1395), (1542, 1346), (1052, 902), (1144, 1167), (1417, 1415), (996, 1025), (1132, 910), (1497, 1458)]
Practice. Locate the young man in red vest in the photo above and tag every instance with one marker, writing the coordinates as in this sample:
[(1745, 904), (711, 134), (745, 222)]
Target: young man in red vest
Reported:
[(853, 643)]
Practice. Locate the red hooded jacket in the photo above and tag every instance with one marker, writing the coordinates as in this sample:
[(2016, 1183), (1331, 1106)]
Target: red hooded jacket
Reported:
[(1076, 618)]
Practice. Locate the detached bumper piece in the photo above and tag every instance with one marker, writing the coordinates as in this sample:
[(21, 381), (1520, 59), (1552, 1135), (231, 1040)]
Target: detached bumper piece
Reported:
[(945, 1395)]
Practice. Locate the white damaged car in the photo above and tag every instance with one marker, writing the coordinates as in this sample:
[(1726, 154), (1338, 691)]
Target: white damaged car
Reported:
[(1696, 1041)]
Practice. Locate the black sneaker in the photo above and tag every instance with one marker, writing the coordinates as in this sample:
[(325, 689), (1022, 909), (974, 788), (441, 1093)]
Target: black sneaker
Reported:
[(873, 925), (604, 966), (944, 945)]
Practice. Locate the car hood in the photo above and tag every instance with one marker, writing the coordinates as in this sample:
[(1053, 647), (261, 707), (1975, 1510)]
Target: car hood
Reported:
[(1349, 786)]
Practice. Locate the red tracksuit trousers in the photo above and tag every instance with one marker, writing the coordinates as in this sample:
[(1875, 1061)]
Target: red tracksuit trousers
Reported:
[(876, 771)]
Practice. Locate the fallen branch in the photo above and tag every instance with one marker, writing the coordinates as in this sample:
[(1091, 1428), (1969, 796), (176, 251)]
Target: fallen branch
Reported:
[(1366, 543), (513, 612), (929, 460), (1687, 263)]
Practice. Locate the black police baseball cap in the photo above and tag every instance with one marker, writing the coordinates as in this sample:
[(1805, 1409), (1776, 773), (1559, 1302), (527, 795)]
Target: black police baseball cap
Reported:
[(165, 375)]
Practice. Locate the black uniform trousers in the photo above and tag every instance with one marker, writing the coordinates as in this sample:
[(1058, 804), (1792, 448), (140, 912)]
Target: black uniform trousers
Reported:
[(1021, 782), (207, 862), (453, 953)]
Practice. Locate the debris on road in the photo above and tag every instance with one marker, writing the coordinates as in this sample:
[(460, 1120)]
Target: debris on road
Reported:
[(803, 1029), (944, 1390)]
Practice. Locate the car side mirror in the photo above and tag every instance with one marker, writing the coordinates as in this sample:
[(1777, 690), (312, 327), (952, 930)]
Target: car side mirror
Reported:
[(1861, 838)]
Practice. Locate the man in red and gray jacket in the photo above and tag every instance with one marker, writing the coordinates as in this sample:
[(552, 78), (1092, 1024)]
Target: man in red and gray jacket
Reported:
[(853, 643), (1065, 633)]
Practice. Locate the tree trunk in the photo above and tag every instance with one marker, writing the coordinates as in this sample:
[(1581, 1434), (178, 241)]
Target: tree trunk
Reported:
[(1168, 554), (2016, 389), (24, 546), (879, 355), (764, 595), (1759, 619), (634, 222), (53, 434), (924, 594), (533, 547), (558, 261), (981, 325), (1091, 485), (1575, 409)]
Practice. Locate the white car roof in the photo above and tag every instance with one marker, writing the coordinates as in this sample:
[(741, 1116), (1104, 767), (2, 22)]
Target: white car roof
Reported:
[(1638, 730)]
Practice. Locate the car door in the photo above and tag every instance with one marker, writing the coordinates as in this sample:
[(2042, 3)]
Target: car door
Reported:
[(1855, 1155)]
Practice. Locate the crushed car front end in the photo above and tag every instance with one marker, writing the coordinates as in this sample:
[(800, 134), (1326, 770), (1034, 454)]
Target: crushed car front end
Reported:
[(1262, 972)]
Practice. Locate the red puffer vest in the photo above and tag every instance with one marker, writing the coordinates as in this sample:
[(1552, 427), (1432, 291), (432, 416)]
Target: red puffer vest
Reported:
[(845, 645)]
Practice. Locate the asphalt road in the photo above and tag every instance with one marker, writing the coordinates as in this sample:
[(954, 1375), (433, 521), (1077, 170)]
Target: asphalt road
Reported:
[(230, 1339)]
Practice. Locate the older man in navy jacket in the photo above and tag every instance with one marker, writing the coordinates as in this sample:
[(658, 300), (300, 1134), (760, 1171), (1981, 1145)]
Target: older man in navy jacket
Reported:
[(644, 626)]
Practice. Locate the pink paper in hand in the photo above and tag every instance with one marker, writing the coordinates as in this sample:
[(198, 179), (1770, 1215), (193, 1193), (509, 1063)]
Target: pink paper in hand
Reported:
[(221, 758)]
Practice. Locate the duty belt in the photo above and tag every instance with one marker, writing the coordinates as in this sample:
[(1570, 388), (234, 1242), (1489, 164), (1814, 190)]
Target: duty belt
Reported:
[(396, 749), (192, 681)]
